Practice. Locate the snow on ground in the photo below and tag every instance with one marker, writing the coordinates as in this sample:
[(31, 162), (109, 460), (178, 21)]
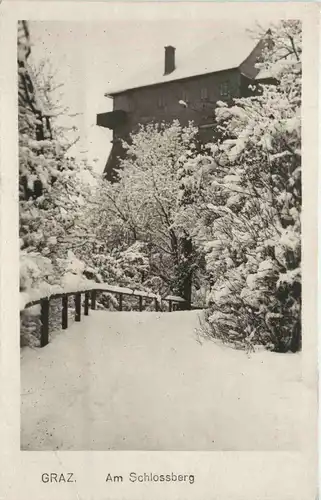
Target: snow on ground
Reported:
[(143, 381)]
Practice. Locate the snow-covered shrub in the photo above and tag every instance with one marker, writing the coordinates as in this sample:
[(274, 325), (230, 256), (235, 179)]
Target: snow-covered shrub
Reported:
[(249, 208)]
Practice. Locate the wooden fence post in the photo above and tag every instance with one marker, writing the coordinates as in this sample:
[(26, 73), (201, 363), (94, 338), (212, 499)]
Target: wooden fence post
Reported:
[(64, 312), (170, 307), (93, 299), (120, 303), (44, 303), (156, 304), (86, 306), (140, 303), (77, 306)]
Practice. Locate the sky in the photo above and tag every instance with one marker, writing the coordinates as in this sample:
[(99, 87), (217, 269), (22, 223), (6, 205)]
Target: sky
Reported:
[(91, 57)]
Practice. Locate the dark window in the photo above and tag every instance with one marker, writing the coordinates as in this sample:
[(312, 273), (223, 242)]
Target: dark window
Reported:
[(161, 101), (204, 93), (130, 104), (185, 95), (225, 89)]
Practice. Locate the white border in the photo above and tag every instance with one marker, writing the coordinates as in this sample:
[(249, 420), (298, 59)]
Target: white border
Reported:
[(219, 475)]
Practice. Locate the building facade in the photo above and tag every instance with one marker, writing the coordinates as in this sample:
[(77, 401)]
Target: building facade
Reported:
[(186, 92)]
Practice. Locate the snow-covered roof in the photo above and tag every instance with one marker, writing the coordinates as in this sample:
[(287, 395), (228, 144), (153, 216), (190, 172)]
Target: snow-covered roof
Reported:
[(226, 50)]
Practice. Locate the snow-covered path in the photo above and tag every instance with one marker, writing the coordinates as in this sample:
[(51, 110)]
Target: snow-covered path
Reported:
[(130, 381)]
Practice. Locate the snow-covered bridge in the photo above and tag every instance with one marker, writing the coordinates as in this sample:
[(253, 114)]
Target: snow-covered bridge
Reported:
[(147, 381)]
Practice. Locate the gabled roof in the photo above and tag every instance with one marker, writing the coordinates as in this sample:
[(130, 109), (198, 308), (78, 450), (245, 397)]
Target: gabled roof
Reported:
[(226, 50)]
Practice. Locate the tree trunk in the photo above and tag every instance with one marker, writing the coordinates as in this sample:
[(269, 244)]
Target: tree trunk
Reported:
[(185, 273)]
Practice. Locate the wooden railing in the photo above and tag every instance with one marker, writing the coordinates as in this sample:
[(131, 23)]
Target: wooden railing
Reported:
[(90, 296)]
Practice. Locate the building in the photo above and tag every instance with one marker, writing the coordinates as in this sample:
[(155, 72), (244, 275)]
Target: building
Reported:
[(184, 88)]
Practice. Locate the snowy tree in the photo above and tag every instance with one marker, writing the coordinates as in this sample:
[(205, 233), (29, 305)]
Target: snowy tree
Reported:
[(143, 203), (53, 188), (250, 201)]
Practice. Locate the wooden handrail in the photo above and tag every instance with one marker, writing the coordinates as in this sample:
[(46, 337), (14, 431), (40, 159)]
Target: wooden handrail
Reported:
[(91, 296)]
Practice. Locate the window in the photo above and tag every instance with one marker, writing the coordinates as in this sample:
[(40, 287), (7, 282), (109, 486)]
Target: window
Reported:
[(130, 103), (184, 95), (225, 89), (161, 101), (204, 94)]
